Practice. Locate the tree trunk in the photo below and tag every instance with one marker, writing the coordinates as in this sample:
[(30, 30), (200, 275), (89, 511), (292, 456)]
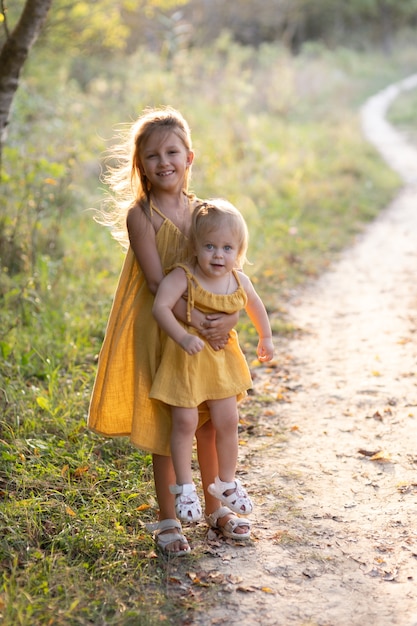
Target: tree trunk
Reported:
[(14, 53)]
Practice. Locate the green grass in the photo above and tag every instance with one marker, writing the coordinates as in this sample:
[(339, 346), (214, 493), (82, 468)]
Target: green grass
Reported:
[(403, 114), (279, 137)]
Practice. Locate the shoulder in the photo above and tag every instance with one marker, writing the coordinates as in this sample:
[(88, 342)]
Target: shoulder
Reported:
[(135, 214), (177, 272), (243, 279), (137, 221), (176, 278), (246, 284)]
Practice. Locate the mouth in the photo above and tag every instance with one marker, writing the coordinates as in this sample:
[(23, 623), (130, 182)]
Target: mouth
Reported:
[(167, 173)]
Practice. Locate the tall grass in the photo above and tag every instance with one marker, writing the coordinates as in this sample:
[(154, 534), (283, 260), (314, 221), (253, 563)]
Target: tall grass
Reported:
[(280, 137)]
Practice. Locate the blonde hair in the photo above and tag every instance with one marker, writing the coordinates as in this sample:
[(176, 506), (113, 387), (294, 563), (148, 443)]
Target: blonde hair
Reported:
[(127, 183), (213, 214)]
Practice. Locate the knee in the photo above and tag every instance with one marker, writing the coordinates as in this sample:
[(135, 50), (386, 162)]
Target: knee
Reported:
[(184, 425), (230, 422)]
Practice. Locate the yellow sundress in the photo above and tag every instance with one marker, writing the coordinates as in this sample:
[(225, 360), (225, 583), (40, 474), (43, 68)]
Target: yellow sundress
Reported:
[(130, 356), (189, 380)]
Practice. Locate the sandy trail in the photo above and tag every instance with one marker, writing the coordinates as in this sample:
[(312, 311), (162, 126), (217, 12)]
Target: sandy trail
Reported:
[(335, 529)]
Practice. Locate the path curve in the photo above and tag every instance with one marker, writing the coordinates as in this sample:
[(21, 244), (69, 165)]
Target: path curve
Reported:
[(335, 541)]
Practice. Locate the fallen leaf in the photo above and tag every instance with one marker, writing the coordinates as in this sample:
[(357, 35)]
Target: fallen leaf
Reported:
[(380, 456), (246, 588), (176, 580), (368, 452), (143, 507), (69, 511), (152, 555), (81, 470)]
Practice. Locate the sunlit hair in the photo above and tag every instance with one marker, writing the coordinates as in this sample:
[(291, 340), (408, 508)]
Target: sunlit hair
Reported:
[(123, 174), (215, 214)]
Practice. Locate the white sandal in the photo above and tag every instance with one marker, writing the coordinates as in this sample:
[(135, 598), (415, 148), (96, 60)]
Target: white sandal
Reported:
[(228, 530), (164, 540), (187, 503), (238, 501)]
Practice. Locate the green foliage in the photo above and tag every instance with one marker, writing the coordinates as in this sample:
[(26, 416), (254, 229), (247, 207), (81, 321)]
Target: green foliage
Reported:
[(403, 114), (277, 135)]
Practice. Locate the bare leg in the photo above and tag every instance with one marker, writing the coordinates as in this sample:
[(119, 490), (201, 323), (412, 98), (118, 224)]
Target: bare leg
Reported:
[(184, 424), (225, 418), (207, 459), (164, 476)]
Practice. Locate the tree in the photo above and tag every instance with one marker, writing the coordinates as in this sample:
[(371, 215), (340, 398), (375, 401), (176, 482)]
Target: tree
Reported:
[(14, 53)]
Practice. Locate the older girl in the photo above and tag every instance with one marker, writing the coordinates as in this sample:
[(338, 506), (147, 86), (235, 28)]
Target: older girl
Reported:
[(150, 184)]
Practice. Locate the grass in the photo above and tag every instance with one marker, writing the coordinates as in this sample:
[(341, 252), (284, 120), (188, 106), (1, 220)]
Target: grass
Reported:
[(279, 136), (403, 114)]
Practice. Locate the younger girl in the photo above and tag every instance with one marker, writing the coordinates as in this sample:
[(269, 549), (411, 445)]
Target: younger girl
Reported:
[(191, 372), (151, 215)]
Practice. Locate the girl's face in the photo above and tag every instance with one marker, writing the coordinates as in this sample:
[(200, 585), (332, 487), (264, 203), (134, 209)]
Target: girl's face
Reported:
[(217, 252), (165, 160)]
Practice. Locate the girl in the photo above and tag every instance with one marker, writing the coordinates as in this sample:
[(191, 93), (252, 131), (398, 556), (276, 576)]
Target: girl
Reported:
[(191, 372), (150, 185)]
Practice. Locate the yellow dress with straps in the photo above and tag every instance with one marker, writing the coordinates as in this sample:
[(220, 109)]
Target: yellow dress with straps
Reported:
[(130, 356), (189, 380)]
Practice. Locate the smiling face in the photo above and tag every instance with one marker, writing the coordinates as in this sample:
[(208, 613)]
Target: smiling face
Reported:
[(217, 251), (165, 161)]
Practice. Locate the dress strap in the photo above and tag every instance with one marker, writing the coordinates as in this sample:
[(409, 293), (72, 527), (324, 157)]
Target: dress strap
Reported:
[(236, 275), (153, 207)]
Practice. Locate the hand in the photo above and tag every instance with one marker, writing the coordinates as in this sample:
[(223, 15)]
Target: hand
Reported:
[(210, 331), (265, 350), (191, 344), (218, 344), (216, 327)]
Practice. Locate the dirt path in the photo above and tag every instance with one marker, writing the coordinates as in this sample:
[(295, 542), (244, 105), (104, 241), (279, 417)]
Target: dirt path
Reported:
[(333, 465)]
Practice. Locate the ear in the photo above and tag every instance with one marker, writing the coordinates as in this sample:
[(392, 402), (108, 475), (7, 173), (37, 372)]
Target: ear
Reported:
[(190, 158)]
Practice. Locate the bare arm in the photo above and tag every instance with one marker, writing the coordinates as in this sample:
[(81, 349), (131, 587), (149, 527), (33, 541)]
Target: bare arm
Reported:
[(257, 313), (169, 292), (142, 239)]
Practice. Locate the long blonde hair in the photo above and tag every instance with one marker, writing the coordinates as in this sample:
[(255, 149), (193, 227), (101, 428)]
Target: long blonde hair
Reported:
[(123, 175), (212, 214)]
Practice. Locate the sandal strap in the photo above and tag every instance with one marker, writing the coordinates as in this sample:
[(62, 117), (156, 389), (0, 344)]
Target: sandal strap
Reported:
[(224, 486), (166, 524), (214, 517), (185, 490)]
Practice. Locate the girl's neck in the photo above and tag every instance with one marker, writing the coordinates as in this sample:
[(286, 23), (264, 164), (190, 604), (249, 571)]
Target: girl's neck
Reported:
[(167, 201), (174, 207)]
